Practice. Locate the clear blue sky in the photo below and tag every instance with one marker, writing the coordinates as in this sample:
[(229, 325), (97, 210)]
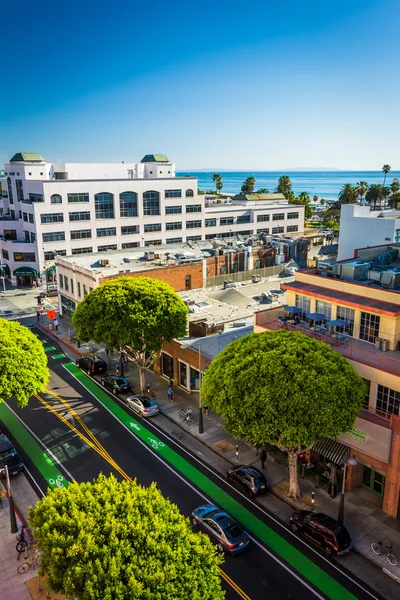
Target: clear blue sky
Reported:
[(212, 84)]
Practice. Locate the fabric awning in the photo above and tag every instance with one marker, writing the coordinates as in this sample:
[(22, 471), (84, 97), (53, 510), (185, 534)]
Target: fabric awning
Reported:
[(332, 450), (25, 272), (51, 269), (5, 271)]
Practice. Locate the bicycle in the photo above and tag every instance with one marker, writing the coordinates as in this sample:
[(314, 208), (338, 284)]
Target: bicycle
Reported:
[(30, 561), (21, 543), (186, 415), (379, 549), (150, 393)]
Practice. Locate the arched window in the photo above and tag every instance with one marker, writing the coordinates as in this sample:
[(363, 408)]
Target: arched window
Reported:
[(189, 194), (188, 282), (128, 204), (56, 199), (151, 203), (104, 205)]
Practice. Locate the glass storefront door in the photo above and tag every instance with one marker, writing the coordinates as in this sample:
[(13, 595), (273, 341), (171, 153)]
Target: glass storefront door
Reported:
[(167, 365), (183, 378), (194, 379), (373, 480)]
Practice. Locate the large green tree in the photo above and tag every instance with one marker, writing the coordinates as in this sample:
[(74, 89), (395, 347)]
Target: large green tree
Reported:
[(248, 185), (284, 185), (375, 194), (23, 363), (362, 189), (395, 186), (385, 169), (283, 388), (348, 194), (218, 182), (118, 540), (136, 315)]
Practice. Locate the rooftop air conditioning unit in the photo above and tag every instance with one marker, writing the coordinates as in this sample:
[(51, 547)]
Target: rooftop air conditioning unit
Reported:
[(104, 262), (149, 255)]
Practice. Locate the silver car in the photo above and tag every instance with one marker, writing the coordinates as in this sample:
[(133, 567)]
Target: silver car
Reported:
[(143, 405)]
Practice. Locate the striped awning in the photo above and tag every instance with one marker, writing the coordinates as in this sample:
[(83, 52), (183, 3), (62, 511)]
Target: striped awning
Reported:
[(332, 450)]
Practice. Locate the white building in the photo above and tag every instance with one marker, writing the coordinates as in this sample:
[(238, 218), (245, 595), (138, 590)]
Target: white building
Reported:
[(360, 227), (73, 208)]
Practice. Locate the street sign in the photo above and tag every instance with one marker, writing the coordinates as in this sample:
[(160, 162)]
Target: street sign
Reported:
[(51, 314)]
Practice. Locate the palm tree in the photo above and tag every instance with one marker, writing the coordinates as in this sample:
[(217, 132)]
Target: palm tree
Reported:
[(362, 188), (322, 201), (374, 194), (394, 200), (262, 191), (218, 182), (284, 185), (248, 185), (395, 186), (304, 196), (385, 169), (348, 194), (385, 193), (315, 199)]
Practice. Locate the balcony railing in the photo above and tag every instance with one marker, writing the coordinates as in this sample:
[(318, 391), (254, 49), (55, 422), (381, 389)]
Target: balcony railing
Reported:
[(8, 218), (350, 348)]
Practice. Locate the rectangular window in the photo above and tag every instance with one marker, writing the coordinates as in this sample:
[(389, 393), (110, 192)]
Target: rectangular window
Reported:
[(81, 234), (61, 281), (369, 327), (226, 220), (78, 197), (176, 240), (183, 378), (304, 303), (6, 255), (30, 218), (20, 190), (79, 288), (10, 191), (80, 216), (66, 283), (151, 203), (85, 290), (210, 236), (153, 243), (263, 230), (173, 193), (55, 236), (104, 206), (56, 199), (211, 222), (36, 197), (193, 208), (278, 230), (152, 227), (25, 217), (106, 248), (388, 401), (26, 234), (243, 219), (346, 314), (193, 238), (128, 204), (292, 228), (72, 285), (173, 210), (52, 218), (88, 250), (293, 215), (33, 237), (193, 224), (130, 245), (278, 217), (172, 226), (106, 231), (325, 308), (128, 229), (51, 255)]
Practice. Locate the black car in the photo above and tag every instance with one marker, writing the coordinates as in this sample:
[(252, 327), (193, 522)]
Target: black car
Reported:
[(221, 528), (9, 456), (116, 384), (249, 479), (92, 365), (322, 530)]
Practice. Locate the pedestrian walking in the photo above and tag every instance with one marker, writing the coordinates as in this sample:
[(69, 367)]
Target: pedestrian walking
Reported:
[(171, 382), (38, 315), (205, 408), (263, 458), (56, 323), (170, 394)]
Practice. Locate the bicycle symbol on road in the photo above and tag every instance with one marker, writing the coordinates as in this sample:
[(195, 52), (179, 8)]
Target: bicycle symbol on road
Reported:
[(154, 444), (57, 481)]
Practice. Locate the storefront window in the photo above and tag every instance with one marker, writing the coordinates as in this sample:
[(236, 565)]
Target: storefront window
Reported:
[(373, 480), (183, 380), (167, 365), (304, 303), (194, 379), (369, 327), (346, 314)]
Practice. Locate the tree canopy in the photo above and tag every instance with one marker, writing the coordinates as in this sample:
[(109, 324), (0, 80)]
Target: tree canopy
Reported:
[(217, 178), (116, 541), (283, 388), (248, 185), (135, 313), (23, 363)]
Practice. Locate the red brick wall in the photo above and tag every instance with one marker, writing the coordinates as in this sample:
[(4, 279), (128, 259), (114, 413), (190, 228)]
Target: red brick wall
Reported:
[(174, 275), (391, 499), (186, 355)]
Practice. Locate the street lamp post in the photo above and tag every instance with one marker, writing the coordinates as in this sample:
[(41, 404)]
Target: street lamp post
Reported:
[(352, 462), (13, 520)]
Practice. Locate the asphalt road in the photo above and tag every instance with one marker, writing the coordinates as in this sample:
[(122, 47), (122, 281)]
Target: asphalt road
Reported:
[(255, 571)]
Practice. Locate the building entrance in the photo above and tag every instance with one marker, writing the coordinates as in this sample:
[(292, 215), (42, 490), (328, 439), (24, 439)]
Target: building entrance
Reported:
[(373, 481)]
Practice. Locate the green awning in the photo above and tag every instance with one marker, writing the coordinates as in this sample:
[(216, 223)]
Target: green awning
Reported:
[(5, 271), (51, 269), (25, 272)]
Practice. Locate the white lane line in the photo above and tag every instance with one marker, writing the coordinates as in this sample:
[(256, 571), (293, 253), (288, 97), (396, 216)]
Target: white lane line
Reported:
[(166, 464), (49, 452), (34, 481)]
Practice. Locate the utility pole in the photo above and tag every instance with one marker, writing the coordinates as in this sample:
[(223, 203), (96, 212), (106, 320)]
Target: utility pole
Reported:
[(13, 520)]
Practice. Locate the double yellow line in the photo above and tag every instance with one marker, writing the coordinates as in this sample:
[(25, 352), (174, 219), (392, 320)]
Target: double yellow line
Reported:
[(94, 443)]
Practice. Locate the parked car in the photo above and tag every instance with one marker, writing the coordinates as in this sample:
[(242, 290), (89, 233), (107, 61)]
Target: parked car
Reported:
[(250, 479), (322, 530), (9, 456), (221, 528), (91, 365), (143, 405), (325, 231), (116, 384)]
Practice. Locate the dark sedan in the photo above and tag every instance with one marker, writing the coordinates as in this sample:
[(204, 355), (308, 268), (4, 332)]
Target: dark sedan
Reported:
[(221, 528), (249, 479), (9, 456), (116, 385), (324, 531)]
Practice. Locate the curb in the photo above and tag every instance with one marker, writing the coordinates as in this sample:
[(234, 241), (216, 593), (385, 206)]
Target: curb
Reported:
[(59, 339), (18, 513)]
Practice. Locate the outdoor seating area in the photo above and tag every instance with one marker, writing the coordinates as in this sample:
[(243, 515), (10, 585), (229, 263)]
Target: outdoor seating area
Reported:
[(315, 324)]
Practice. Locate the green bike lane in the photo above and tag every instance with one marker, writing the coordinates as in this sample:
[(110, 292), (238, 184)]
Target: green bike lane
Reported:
[(280, 547)]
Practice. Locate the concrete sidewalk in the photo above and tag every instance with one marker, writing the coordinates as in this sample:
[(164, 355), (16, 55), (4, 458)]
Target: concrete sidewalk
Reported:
[(365, 521)]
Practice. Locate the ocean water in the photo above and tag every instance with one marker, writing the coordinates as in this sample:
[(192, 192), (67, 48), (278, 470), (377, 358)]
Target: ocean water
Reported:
[(316, 183)]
